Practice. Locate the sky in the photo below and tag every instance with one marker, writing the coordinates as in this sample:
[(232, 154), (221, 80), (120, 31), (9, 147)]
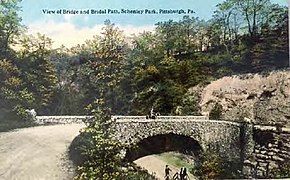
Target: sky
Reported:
[(72, 29)]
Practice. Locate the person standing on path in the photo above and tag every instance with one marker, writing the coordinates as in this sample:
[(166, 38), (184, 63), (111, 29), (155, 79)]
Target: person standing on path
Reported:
[(183, 174), (176, 176), (167, 172)]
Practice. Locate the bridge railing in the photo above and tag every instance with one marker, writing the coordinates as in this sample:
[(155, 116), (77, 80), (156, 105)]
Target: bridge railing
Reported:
[(144, 119), (158, 118), (61, 119)]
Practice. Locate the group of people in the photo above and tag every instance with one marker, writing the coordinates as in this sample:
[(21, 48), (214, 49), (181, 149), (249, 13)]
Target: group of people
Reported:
[(152, 114), (182, 175)]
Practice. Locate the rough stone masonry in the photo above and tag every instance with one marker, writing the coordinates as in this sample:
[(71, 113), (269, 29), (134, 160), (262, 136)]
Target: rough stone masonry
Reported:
[(261, 149), (269, 150)]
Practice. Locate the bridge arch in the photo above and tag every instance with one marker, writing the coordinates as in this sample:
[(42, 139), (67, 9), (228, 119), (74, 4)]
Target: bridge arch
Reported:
[(161, 143), (214, 135)]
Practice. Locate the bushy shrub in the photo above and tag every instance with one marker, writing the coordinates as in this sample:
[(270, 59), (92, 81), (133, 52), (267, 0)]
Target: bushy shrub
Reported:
[(102, 155), (216, 112), (212, 166), (189, 104), (133, 172), (283, 171)]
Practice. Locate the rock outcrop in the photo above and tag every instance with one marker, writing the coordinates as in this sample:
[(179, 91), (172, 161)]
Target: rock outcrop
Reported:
[(270, 153), (263, 98)]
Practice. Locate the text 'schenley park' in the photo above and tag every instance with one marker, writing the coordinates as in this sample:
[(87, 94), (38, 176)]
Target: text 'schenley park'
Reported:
[(144, 89)]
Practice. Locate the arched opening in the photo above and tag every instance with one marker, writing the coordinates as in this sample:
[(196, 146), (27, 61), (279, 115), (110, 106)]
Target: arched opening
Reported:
[(164, 143)]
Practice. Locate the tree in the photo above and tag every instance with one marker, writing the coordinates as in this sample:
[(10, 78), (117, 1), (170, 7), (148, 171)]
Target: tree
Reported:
[(9, 26), (167, 33), (254, 12), (106, 65), (213, 166), (14, 96), (101, 151), (189, 104), (216, 112), (189, 27), (37, 71), (227, 18)]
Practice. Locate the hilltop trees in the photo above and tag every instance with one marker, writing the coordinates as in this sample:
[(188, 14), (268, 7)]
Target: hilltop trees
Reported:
[(163, 66), (247, 29)]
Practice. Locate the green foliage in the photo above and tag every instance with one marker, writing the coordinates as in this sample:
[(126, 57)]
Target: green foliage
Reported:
[(10, 120), (215, 167), (189, 105), (109, 76), (210, 167), (101, 71), (39, 75), (13, 94), (101, 151), (133, 172), (9, 26), (30, 80), (67, 100), (160, 80), (15, 97), (216, 112), (283, 171), (27, 77), (159, 67)]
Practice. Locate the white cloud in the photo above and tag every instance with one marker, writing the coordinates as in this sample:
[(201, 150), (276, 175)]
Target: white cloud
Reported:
[(69, 17), (69, 35)]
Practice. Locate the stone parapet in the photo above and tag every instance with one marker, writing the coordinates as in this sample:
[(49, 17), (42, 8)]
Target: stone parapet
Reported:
[(43, 120), (161, 117)]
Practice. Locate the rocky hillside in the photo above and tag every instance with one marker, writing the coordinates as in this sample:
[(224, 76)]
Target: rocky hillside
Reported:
[(265, 99)]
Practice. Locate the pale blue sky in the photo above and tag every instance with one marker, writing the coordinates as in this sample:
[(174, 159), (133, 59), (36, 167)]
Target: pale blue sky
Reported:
[(32, 10), (71, 30)]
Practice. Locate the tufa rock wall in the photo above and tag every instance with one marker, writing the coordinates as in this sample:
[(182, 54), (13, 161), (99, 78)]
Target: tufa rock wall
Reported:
[(270, 152), (263, 98)]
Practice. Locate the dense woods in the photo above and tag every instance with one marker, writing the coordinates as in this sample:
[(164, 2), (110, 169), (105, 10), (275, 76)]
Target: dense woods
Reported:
[(152, 69), (113, 74)]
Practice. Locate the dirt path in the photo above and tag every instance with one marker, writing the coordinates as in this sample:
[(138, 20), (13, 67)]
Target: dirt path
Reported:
[(156, 166), (37, 153), (40, 153)]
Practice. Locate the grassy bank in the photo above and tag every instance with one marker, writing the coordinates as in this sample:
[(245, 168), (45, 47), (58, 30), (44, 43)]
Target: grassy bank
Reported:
[(8, 124), (176, 159)]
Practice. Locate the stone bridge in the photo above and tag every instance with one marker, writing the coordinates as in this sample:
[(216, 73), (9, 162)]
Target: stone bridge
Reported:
[(179, 133), (260, 149), (169, 133)]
